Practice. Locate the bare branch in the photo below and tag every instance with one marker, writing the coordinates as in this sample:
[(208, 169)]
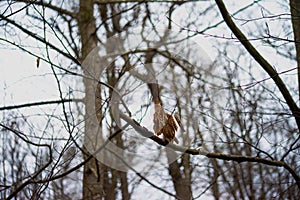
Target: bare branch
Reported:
[(39, 104), (261, 60), (50, 6), (237, 158), (143, 1), (37, 37), (35, 174)]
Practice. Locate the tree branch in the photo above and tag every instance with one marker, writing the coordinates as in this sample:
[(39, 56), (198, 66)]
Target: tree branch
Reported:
[(36, 173), (39, 104), (37, 37), (263, 63), (237, 158), (143, 1), (50, 6)]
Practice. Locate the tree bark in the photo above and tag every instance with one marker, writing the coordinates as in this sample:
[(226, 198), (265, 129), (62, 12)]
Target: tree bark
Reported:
[(92, 181), (181, 180), (295, 12)]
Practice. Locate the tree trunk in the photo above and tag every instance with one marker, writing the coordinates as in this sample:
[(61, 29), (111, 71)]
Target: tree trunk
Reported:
[(99, 181), (181, 179), (295, 12), (92, 181)]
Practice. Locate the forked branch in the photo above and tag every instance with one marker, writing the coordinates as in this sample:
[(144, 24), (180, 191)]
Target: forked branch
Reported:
[(262, 61)]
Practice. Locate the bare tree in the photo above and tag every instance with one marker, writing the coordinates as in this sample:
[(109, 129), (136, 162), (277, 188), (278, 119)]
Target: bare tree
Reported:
[(121, 66)]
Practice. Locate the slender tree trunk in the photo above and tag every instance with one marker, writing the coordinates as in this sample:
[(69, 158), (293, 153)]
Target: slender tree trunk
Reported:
[(215, 185), (99, 181), (181, 179), (92, 181), (295, 11)]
